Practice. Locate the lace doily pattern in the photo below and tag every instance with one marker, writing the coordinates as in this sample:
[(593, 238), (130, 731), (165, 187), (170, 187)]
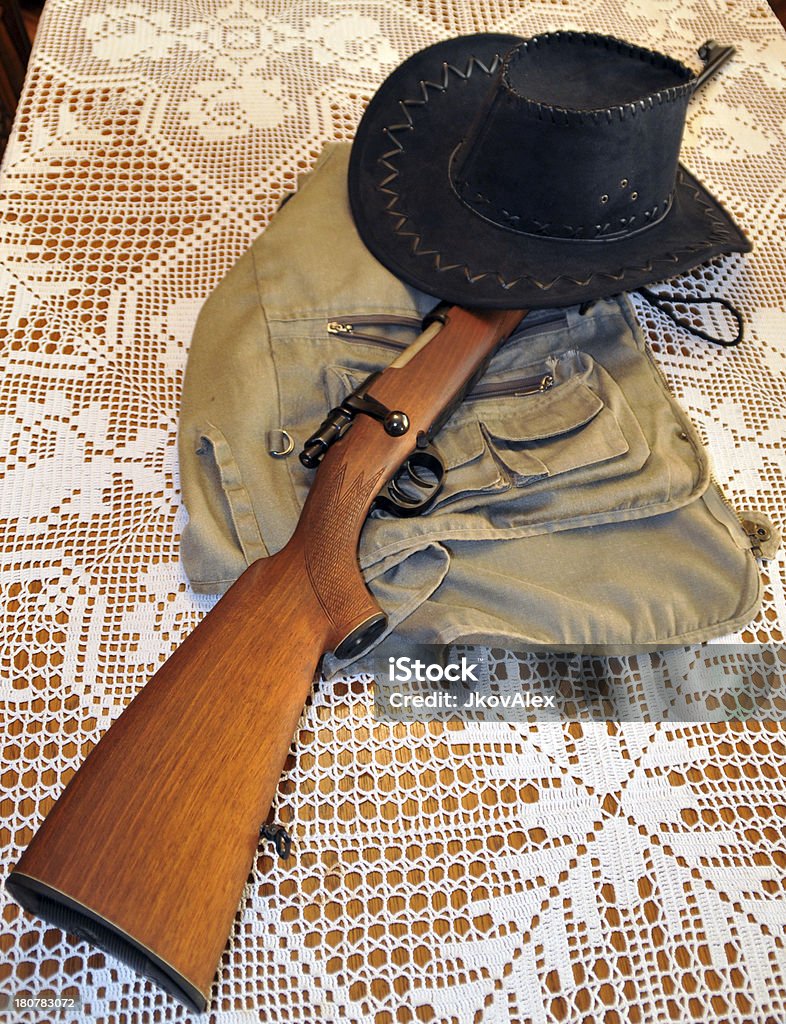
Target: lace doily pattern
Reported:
[(603, 873)]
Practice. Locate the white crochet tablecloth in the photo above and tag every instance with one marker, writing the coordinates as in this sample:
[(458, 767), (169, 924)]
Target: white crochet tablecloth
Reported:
[(609, 874)]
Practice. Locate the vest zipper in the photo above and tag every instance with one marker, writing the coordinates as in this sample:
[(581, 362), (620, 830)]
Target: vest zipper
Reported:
[(349, 330), (517, 387), (347, 327)]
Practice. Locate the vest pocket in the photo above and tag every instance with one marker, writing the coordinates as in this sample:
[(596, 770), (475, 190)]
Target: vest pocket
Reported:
[(573, 428), (579, 431)]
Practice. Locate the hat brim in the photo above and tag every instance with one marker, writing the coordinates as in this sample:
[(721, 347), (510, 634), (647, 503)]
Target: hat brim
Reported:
[(410, 217)]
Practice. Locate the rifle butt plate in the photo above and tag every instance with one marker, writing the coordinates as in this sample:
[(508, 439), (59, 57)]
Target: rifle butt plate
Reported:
[(61, 911)]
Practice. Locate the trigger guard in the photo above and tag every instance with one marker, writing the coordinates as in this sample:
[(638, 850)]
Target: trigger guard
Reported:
[(397, 502)]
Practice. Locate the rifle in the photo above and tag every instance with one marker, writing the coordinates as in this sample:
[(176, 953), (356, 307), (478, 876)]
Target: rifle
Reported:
[(147, 851)]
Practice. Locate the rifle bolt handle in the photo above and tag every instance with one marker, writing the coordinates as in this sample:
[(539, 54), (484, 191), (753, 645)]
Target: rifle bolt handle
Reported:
[(396, 423)]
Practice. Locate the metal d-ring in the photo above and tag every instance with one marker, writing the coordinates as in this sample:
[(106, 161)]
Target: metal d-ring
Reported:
[(290, 446)]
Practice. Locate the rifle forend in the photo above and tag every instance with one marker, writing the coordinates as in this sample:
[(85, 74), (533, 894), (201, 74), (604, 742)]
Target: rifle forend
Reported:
[(147, 851)]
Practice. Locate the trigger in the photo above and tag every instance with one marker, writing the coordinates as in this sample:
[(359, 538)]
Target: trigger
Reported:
[(401, 498), (421, 480)]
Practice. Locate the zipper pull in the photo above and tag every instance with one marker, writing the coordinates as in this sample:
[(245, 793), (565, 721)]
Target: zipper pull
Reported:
[(334, 327), (537, 387)]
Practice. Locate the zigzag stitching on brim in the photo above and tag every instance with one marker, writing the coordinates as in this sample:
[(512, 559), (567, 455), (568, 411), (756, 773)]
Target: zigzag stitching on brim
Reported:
[(720, 234)]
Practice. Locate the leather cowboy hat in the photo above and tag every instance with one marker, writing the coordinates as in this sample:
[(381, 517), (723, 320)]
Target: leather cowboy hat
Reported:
[(495, 171)]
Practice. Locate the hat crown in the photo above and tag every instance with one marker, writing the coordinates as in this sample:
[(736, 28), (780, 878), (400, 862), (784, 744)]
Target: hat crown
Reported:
[(579, 138)]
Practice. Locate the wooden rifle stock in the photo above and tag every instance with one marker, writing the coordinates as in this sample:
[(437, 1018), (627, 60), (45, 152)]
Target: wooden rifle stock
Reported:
[(147, 851)]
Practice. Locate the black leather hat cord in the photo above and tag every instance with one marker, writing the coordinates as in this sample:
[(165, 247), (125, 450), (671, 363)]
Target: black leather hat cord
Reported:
[(669, 303)]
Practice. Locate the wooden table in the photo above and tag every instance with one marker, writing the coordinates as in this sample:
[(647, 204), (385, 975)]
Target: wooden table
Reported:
[(608, 873)]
